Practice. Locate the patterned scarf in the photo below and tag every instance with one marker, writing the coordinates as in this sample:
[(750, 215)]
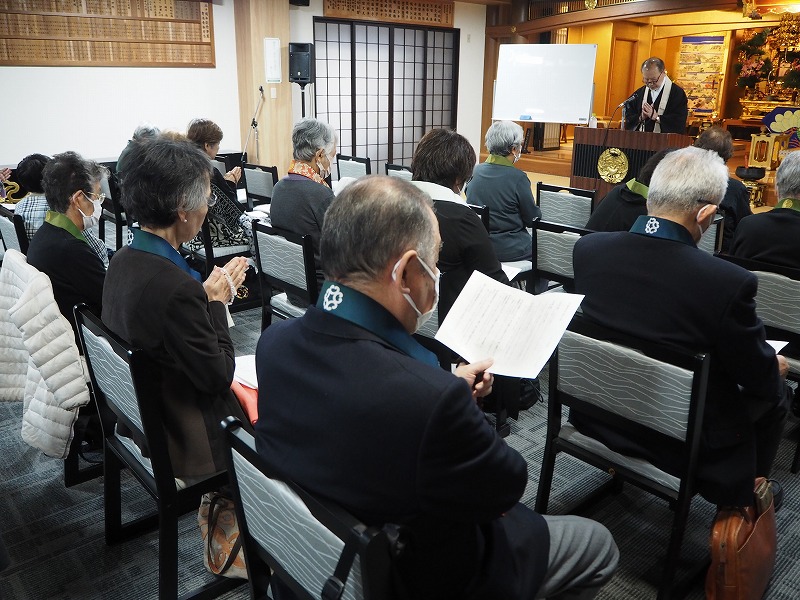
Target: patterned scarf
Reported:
[(304, 169)]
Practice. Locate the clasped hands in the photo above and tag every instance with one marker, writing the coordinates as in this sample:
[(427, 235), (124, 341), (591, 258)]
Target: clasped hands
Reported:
[(234, 175), (648, 112), (217, 286)]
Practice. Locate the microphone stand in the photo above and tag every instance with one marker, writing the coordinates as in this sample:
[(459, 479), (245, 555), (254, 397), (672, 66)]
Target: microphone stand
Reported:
[(253, 128)]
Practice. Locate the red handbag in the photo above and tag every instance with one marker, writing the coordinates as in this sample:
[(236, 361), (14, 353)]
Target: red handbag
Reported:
[(743, 547)]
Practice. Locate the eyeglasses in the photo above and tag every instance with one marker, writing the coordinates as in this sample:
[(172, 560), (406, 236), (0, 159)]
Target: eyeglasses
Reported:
[(211, 200), (652, 80), (100, 197), (716, 206)]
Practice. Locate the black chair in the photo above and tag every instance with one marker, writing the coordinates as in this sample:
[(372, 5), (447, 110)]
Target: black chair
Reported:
[(352, 166), (126, 387), (711, 240), (565, 205), (551, 255), (313, 546), (112, 207), (398, 171), (12, 231), (285, 263), (483, 212), (778, 307), (642, 387), (259, 182)]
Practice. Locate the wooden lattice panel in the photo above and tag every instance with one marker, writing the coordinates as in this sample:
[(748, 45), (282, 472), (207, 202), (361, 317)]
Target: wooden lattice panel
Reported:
[(142, 33), (437, 14)]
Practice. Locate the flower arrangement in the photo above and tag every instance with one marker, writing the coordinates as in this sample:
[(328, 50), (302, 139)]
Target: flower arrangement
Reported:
[(752, 70), (791, 79)]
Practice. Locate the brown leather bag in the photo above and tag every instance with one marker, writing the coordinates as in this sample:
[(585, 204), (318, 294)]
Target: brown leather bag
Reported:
[(743, 546)]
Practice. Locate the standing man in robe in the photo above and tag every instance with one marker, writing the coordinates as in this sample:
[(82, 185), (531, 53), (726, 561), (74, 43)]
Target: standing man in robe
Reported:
[(659, 106)]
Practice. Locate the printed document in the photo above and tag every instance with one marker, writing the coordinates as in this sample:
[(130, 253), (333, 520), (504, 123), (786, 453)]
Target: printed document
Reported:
[(517, 329)]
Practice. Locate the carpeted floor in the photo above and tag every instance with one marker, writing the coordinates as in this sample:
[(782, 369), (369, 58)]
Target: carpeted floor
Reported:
[(55, 535)]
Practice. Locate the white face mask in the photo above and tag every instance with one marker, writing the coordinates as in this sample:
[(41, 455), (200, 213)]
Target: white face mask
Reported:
[(93, 219), (324, 171), (516, 156), (422, 318)]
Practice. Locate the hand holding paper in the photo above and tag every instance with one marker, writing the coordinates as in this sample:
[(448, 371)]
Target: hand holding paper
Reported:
[(518, 330)]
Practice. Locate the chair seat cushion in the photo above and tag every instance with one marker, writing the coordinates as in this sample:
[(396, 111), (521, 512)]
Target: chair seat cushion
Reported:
[(794, 366), (637, 465), (280, 302)]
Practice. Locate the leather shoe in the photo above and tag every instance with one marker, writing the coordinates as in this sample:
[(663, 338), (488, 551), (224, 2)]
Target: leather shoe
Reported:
[(777, 493)]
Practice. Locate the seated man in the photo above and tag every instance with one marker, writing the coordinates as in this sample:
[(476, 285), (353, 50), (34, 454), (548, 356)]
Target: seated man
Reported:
[(774, 236), (407, 443), (59, 249), (33, 207), (735, 204), (653, 282), (625, 203)]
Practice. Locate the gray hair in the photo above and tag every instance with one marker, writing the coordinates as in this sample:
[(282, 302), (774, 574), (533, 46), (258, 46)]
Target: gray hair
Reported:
[(717, 139), (164, 176), (654, 61), (685, 178), (371, 223), (67, 173), (145, 131), (502, 137), (309, 135), (787, 179)]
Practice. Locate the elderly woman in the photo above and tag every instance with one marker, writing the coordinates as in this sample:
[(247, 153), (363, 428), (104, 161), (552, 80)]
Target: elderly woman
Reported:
[(442, 164), (155, 301), (60, 248), (506, 191), (227, 222), (300, 199)]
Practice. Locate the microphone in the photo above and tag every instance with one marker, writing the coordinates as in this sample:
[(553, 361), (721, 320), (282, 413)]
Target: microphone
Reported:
[(261, 90), (632, 97)]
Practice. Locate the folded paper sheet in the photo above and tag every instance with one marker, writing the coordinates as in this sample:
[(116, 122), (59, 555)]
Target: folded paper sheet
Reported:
[(518, 330)]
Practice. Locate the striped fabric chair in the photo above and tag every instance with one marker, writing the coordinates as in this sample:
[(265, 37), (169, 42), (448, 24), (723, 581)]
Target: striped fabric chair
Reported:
[(552, 251), (313, 547), (286, 263), (641, 387), (564, 205), (121, 375), (777, 306)]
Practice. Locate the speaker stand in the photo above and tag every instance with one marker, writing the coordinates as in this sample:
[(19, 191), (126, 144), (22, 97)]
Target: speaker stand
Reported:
[(302, 100)]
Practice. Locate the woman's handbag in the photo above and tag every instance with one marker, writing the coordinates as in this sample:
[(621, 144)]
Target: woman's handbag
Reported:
[(222, 546), (743, 546)]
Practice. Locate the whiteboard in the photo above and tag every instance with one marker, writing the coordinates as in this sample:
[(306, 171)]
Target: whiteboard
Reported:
[(545, 83)]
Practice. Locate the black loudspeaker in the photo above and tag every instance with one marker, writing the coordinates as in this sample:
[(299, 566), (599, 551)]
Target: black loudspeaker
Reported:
[(301, 63)]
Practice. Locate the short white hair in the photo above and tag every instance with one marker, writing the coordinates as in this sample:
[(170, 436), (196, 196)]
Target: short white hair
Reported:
[(502, 137), (685, 179)]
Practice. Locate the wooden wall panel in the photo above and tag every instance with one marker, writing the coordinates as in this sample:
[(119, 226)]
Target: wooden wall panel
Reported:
[(125, 33)]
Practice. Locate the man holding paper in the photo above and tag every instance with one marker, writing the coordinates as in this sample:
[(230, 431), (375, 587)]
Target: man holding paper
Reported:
[(353, 409), (653, 282)]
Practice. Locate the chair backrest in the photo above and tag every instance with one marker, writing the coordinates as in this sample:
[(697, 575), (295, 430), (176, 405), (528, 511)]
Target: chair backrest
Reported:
[(552, 245), (11, 226), (219, 165), (398, 171), (711, 240), (286, 260), (352, 166), (777, 297), (299, 536), (642, 387), (121, 375), (565, 205), (259, 182), (483, 212)]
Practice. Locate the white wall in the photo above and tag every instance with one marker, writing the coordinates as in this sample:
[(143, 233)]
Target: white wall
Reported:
[(469, 18), (94, 110)]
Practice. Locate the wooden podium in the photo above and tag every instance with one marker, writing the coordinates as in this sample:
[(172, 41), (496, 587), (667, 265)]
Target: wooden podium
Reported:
[(638, 146)]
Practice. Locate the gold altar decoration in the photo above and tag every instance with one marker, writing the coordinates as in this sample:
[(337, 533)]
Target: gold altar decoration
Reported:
[(612, 165), (755, 110), (767, 150)]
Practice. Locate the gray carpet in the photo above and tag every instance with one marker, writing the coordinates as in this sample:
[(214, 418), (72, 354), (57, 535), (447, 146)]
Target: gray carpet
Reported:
[(55, 539)]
